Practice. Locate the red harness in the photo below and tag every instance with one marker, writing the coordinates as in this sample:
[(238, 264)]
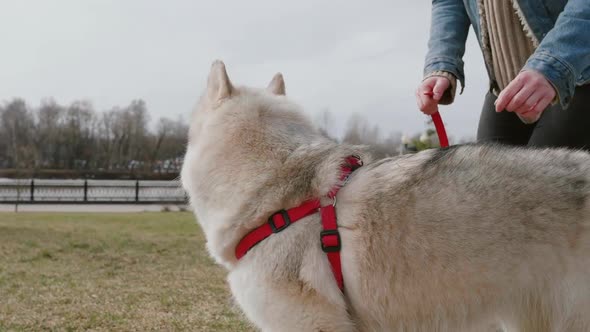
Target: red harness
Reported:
[(329, 236)]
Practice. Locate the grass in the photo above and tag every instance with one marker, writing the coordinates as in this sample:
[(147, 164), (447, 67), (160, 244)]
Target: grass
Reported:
[(110, 272)]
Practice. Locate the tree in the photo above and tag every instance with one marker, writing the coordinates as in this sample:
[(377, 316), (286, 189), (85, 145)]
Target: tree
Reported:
[(105, 140), (325, 122), (360, 132), (137, 119), (4, 140), (79, 134), (170, 143), (48, 138), (17, 124)]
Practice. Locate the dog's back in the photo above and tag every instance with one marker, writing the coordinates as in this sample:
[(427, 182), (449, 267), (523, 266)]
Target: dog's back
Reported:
[(468, 232)]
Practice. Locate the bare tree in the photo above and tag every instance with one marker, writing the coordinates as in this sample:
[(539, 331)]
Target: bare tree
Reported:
[(137, 119), (79, 134), (171, 142), (4, 140), (106, 140), (359, 131), (48, 138), (325, 123), (17, 121), (164, 129)]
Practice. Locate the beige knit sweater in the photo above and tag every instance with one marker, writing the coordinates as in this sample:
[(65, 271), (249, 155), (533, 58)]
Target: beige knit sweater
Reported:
[(507, 41), (505, 44)]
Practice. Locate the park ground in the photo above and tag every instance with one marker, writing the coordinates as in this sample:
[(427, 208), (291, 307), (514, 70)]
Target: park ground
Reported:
[(110, 272)]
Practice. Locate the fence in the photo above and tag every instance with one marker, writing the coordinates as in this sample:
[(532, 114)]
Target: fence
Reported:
[(36, 191)]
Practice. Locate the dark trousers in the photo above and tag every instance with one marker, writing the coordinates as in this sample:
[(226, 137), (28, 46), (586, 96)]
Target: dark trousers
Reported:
[(556, 128)]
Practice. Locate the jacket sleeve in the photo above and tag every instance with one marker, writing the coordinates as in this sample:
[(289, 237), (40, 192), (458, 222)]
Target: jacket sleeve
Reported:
[(564, 53), (449, 28), (449, 95)]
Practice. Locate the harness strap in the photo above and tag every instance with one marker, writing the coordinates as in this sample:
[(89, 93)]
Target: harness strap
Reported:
[(330, 241), (329, 236), (276, 223)]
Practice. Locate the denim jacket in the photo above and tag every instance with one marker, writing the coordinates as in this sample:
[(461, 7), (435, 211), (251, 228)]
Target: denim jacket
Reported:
[(560, 27)]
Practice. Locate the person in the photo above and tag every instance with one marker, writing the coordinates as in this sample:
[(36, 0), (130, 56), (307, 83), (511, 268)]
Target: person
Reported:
[(537, 55)]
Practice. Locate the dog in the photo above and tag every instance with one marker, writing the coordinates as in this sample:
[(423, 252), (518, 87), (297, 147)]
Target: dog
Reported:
[(450, 239)]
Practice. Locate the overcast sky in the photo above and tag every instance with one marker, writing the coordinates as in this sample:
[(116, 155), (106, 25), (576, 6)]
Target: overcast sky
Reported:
[(354, 56)]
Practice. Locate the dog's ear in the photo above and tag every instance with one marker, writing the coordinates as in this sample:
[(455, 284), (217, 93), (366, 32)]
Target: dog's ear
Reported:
[(218, 84), (277, 85)]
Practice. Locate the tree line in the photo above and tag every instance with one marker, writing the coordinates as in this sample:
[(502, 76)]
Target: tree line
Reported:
[(78, 137), (381, 144)]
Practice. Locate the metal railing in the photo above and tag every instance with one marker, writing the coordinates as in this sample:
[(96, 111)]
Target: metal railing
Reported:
[(38, 191)]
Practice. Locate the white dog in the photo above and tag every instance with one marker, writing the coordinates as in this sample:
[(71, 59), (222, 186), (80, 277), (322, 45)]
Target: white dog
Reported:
[(444, 240)]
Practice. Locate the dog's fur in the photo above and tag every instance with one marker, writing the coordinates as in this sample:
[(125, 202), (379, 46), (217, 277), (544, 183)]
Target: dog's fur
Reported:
[(443, 240)]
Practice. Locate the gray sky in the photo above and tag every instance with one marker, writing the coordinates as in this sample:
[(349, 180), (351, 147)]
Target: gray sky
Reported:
[(346, 57)]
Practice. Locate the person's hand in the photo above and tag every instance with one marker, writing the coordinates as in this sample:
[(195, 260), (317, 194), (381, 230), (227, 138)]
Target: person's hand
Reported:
[(429, 93), (528, 95)]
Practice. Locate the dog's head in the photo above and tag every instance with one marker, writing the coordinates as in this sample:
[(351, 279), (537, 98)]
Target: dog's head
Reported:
[(239, 140)]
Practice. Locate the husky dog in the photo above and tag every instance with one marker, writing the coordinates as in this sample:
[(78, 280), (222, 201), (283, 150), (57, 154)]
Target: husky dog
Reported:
[(449, 239)]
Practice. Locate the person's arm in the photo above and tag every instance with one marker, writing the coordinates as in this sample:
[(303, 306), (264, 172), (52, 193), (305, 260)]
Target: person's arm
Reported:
[(449, 28), (564, 53), (555, 66)]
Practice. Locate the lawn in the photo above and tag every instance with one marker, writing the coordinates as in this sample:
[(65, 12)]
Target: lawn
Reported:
[(110, 272)]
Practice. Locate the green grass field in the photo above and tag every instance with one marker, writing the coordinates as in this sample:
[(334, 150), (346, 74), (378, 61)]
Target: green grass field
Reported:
[(110, 272)]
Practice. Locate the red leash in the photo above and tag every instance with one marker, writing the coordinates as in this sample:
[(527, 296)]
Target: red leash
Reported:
[(439, 125), (440, 130)]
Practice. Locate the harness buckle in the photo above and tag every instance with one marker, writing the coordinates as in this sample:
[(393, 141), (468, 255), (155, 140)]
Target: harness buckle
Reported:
[(327, 238), (286, 221)]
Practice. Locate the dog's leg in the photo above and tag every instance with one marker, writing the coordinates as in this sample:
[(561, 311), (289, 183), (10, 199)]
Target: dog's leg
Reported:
[(281, 305), (303, 314), (308, 311)]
